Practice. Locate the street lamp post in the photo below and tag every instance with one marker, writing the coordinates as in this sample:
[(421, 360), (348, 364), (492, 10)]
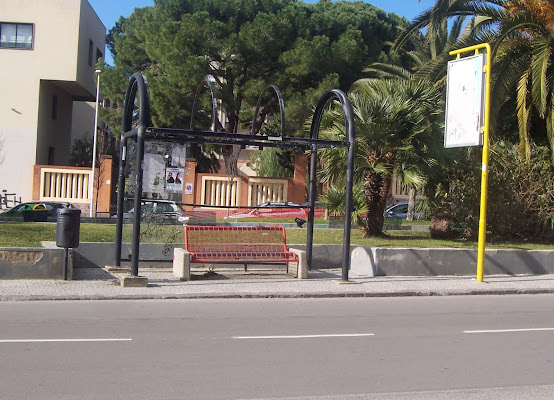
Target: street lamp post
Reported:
[(91, 183)]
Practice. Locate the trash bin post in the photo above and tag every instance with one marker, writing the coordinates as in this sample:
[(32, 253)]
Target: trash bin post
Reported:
[(67, 232)]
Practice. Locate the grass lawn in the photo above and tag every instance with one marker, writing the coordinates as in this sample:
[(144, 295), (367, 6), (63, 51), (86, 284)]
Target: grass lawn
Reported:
[(30, 234)]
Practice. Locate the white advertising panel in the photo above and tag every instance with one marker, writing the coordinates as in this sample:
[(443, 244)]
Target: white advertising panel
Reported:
[(465, 102)]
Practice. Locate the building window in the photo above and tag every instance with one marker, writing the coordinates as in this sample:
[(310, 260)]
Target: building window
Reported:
[(99, 55), (19, 36), (51, 155), (90, 50), (54, 107)]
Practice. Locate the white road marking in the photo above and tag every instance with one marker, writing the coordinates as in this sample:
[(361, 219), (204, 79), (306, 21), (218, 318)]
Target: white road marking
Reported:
[(511, 330), (498, 393), (306, 336), (63, 340)]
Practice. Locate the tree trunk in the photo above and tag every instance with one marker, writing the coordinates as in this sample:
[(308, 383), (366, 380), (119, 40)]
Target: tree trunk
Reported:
[(376, 187), (411, 203), (231, 151), (262, 114), (230, 156)]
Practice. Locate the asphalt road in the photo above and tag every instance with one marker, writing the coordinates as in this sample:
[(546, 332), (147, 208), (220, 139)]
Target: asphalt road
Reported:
[(460, 347)]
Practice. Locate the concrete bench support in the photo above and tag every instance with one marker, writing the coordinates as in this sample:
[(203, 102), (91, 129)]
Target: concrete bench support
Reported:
[(133, 281), (299, 269), (181, 264)]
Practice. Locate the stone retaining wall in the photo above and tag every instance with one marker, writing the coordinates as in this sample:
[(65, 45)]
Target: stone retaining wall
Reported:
[(28, 263), (433, 262), (48, 263), (365, 260)]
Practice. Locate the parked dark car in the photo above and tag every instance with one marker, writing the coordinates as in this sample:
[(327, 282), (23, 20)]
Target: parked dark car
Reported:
[(400, 210), (317, 205), (40, 206)]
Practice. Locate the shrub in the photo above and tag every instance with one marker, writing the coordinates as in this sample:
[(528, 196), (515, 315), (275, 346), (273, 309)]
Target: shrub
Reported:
[(520, 195)]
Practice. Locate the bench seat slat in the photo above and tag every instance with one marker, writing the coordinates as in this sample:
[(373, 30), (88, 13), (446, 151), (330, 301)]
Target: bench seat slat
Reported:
[(237, 244), (236, 248), (270, 256)]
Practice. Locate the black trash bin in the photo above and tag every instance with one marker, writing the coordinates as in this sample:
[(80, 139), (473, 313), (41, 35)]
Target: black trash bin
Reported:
[(67, 232), (68, 227)]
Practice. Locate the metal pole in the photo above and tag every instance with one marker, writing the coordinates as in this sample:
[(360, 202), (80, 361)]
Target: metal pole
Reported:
[(484, 175), (350, 136), (66, 256), (91, 183), (137, 84), (311, 203), (485, 157), (120, 199), (138, 205), (339, 95)]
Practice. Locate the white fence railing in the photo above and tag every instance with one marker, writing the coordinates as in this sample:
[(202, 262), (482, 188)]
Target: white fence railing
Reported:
[(223, 191), (263, 190), (220, 191), (61, 184)]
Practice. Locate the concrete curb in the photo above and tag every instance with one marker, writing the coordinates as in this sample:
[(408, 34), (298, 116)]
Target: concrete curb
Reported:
[(408, 293)]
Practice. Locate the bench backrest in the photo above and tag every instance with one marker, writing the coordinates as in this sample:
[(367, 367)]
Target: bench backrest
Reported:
[(206, 239)]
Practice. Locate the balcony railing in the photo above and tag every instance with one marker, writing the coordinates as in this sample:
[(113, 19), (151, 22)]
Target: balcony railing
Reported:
[(65, 184)]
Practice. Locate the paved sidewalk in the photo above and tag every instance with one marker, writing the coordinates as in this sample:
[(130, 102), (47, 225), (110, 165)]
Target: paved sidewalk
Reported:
[(95, 283)]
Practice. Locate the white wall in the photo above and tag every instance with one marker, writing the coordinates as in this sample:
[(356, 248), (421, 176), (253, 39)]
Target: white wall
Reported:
[(59, 65), (82, 123)]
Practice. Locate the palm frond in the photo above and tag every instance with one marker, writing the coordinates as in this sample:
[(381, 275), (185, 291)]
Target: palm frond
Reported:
[(550, 127), (384, 70), (523, 118), (542, 53)]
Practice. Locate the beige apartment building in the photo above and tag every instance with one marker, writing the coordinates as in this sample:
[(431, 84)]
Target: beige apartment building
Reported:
[(48, 52)]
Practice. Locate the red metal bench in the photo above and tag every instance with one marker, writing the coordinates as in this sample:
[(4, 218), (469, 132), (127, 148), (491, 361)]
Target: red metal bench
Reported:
[(238, 245)]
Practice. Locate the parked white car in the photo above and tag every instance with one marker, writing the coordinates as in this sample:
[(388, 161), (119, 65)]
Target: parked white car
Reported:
[(163, 208)]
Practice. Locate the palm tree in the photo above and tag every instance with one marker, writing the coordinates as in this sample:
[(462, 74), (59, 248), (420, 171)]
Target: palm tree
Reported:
[(524, 49), (334, 200), (395, 118), (522, 39), (421, 58)]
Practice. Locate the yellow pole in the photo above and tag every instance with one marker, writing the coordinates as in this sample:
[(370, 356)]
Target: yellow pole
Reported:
[(485, 159)]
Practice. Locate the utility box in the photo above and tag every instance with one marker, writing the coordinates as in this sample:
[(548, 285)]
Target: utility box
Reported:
[(68, 227)]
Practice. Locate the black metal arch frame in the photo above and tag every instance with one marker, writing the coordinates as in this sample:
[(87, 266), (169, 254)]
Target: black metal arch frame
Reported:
[(138, 86), (281, 108), (208, 80)]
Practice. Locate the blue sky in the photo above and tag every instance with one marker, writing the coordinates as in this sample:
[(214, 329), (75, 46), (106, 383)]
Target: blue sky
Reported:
[(109, 11)]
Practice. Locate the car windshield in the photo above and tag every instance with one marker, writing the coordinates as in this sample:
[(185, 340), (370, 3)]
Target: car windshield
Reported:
[(402, 208), (277, 204), (155, 207), (164, 208)]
